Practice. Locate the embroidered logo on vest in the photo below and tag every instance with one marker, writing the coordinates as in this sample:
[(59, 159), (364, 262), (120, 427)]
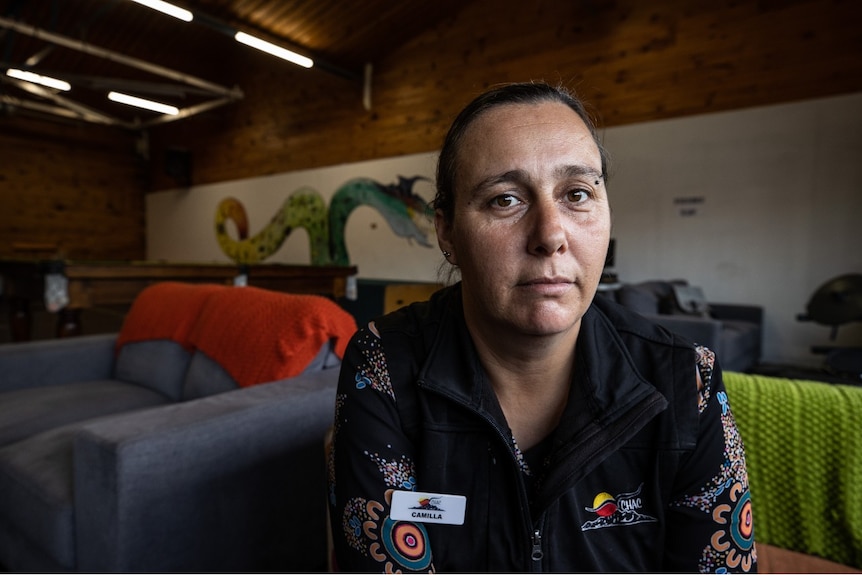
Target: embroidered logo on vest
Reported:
[(624, 509)]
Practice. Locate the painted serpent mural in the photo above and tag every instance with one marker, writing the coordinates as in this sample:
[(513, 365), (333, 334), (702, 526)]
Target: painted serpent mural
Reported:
[(407, 214)]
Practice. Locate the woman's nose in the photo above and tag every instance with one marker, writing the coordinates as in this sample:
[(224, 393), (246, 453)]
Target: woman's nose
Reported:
[(547, 229)]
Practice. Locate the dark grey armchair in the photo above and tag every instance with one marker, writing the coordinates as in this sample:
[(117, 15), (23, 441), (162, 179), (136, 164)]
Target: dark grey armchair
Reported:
[(733, 331)]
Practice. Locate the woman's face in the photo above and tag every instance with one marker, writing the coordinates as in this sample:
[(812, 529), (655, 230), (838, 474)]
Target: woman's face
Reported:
[(531, 221)]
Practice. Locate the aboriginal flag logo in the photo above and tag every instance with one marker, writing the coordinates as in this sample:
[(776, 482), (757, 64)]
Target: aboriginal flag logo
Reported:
[(604, 505)]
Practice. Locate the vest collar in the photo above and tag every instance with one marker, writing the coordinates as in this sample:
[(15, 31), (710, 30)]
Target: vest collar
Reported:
[(606, 380)]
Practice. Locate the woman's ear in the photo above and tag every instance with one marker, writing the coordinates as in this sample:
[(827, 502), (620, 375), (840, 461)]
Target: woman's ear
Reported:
[(444, 236)]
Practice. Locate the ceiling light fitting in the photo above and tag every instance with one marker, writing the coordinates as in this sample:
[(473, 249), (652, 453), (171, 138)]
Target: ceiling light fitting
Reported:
[(142, 103), (168, 9), (271, 48), (46, 81)]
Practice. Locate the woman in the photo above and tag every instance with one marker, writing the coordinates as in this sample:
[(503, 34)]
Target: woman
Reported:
[(514, 422)]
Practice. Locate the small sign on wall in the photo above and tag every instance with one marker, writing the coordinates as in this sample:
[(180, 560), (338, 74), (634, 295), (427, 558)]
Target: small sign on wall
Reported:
[(688, 206)]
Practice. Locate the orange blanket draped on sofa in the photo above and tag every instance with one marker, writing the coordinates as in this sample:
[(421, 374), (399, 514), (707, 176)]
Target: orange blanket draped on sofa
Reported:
[(256, 335)]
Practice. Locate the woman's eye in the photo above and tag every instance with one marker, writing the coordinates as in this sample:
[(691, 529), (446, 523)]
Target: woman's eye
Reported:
[(505, 201), (577, 196)]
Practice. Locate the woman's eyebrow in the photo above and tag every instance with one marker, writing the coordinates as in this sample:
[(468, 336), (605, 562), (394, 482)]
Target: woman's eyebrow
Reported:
[(518, 176), (579, 170), (511, 176)]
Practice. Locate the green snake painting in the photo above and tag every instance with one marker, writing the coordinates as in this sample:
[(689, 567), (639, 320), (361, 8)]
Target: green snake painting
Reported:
[(407, 214)]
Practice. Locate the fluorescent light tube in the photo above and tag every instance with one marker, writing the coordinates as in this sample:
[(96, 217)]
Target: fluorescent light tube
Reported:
[(168, 9), (37, 79), (141, 103), (273, 49)]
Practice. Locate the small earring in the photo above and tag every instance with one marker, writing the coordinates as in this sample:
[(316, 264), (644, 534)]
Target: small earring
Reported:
[(446, 254)]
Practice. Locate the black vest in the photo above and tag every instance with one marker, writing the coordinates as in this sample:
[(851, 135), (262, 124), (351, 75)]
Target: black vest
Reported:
[(631, 416)]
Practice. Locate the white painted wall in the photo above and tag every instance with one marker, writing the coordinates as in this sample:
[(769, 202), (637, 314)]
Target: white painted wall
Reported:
[(780, 192), (781, 213)]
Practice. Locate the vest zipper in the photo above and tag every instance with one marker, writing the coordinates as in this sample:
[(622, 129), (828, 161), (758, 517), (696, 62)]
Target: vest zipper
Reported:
[(537, 553)]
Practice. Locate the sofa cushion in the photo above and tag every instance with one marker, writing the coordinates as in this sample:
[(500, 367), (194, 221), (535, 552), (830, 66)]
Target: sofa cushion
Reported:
[(56, 361), (158, 364), (327, 357), (689, 300), (25, 412), (206, 377), (648, 297), (639, 300)]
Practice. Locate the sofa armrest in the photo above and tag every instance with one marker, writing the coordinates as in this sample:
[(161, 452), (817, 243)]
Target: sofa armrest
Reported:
[(230, 482), (738, 312), (56, 361), (699, 330)]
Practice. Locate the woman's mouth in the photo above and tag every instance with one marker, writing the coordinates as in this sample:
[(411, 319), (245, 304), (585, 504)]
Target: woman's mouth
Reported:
[(549, 285)]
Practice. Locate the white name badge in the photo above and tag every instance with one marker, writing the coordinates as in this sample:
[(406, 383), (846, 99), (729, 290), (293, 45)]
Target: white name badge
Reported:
[(421, 507)]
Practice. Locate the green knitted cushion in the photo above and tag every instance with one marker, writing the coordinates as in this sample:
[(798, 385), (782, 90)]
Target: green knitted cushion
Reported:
[(803, 446)]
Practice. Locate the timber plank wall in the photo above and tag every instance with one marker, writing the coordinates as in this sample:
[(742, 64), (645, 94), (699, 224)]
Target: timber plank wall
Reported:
[(70, 190), (633, 61)]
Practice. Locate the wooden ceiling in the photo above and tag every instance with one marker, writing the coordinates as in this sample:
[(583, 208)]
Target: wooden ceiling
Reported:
[(81, 186), (341, 36)]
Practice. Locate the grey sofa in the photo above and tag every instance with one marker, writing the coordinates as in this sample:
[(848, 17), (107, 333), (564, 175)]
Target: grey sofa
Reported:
[(125, 452), (733, 331)]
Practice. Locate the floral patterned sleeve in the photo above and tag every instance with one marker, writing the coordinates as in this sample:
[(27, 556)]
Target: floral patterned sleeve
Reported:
[(710, 521), (370, 458)]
